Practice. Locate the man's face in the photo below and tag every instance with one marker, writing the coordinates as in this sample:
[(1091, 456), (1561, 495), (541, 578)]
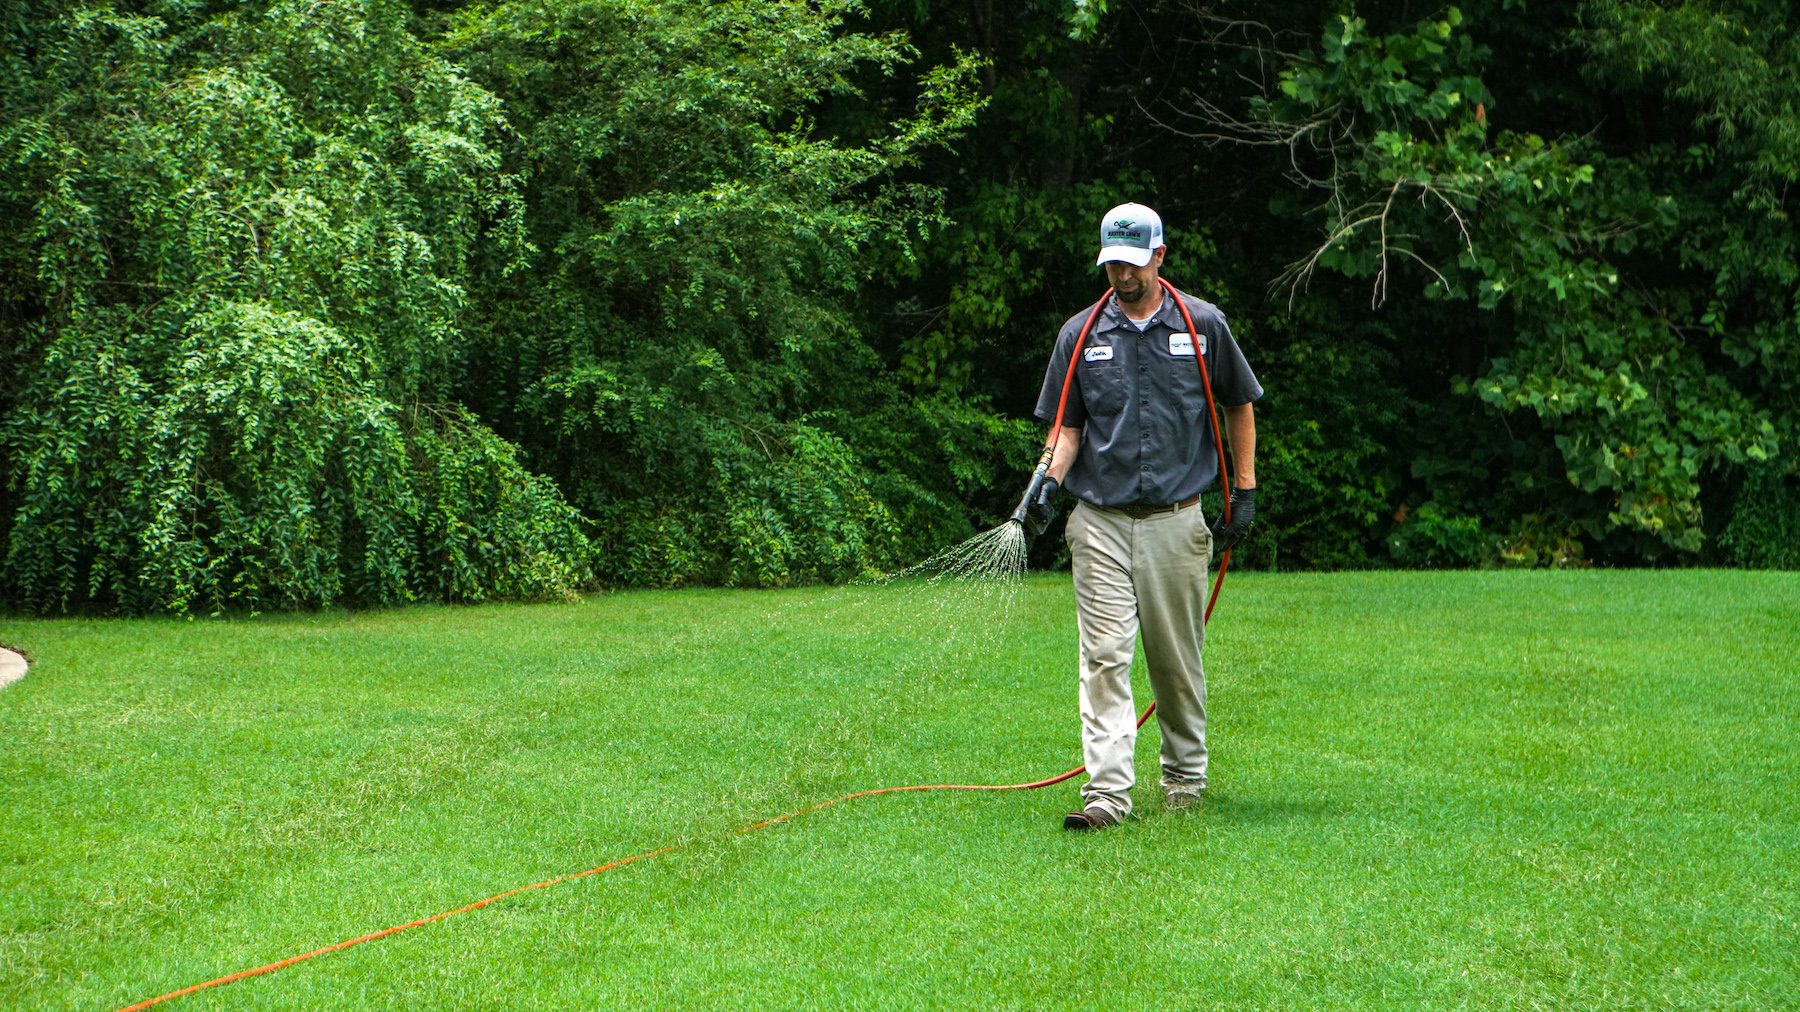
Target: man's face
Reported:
[(1134, 285)]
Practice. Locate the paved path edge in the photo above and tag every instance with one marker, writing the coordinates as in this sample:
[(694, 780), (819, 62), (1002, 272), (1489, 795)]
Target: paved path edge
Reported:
[(12, 667)]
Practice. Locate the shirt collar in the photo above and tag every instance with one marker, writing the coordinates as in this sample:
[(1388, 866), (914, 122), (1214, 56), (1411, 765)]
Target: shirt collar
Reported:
[(1115, 314)]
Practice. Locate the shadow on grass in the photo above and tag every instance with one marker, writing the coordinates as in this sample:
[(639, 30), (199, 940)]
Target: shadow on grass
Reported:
[(1238, 810)]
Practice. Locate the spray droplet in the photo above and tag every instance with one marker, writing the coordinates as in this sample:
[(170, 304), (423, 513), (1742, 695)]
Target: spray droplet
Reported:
[(980, 575)]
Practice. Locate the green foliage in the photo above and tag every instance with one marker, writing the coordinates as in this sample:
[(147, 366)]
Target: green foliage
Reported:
[(684, 360), (1764, 532), (801, 512), (1326, 449), (1430, 538), (1594, 341), (234, 310), (367, 301), (1715, 92), (1540, 541), (950, 466), (792, 506)]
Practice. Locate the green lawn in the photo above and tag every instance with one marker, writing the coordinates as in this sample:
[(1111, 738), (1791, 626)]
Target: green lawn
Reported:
[(1516, 789)]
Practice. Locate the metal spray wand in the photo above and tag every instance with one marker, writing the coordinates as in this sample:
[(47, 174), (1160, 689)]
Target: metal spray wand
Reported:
[(1037, 482)]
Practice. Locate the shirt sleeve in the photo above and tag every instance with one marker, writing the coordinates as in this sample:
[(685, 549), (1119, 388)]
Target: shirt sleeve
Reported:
[(1233, 381), (1075, 414)]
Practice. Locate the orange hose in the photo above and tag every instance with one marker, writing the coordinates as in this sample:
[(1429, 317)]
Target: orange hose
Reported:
[(1069, 374), (1212, 412), (396, 929), (1218, 582), (622, 862)]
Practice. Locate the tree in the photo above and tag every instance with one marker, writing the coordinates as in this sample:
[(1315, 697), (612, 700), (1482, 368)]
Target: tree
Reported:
[(683, 355), (1553, 250), (230, 317), (1705, 98)]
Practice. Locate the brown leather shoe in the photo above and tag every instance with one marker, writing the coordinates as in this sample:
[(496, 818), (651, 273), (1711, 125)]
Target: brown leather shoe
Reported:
[(1091, 817)]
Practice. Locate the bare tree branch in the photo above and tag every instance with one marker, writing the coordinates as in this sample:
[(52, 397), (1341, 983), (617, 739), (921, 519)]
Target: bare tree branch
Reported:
[(1316, 152), (1380, 214)]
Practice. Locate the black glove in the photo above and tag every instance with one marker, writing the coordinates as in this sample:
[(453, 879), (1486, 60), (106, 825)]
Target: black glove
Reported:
[(1040, 510), (1243, 511)]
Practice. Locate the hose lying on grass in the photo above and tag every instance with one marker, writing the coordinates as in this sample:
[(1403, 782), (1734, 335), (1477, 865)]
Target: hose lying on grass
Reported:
[(620, 863), (1043, 466)]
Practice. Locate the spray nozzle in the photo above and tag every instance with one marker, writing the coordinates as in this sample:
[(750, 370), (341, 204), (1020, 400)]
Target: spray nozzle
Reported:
[(1030, 496), (1031, 491)]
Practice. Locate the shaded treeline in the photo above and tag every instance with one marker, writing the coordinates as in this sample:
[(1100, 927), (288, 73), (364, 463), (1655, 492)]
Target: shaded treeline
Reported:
[(368, 302)]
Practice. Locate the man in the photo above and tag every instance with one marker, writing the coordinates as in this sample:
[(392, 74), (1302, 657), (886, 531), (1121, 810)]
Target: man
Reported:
[(1136, 447)]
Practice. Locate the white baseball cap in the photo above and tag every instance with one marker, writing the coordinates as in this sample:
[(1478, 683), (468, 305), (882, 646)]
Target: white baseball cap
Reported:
[(1130, 232)]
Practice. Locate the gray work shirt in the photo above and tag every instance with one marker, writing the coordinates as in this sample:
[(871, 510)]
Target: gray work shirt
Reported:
[(1146, 436)]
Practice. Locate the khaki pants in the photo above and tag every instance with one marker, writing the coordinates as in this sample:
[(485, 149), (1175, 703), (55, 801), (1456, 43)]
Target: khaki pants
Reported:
[(1145, 576)]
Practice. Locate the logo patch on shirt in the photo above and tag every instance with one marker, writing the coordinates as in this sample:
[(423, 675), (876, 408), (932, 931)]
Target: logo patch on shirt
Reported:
[(1102, 353), (1183, 344)]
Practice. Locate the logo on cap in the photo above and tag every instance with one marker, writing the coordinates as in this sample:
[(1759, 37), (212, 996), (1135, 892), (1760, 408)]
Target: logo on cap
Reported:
[(1125, 231)]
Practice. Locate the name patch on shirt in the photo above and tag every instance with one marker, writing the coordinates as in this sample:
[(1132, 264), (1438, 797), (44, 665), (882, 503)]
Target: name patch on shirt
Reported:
[(1183, 344), (1102, 353)]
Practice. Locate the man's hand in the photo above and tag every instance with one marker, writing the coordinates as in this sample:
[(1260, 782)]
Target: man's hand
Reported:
[(1041, 509), (1243, 512)]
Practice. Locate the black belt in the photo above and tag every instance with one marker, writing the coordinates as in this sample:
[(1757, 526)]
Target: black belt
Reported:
[(1140, 510)]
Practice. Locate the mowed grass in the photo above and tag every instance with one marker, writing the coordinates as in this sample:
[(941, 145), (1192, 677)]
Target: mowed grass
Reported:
[(1512, 790)]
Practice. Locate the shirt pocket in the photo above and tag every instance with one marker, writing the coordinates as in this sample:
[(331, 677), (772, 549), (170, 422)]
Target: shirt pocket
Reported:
[(1102, 388), (1187, 380)]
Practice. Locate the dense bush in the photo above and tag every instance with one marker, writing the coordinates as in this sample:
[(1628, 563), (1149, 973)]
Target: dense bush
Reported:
[(1764, 531), (685, 357), (232, 307)]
